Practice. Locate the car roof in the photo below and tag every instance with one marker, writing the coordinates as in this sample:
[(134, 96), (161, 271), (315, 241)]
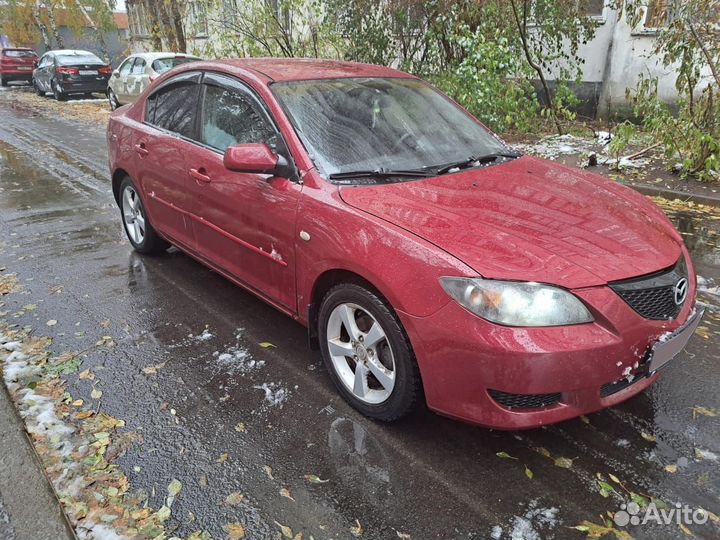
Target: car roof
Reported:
[(72, 52), (17, 49), (155, 55), (299, 69)]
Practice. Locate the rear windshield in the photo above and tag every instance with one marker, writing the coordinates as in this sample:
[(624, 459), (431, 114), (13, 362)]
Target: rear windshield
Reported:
[(18, 53), (71, 59), (161, 65)]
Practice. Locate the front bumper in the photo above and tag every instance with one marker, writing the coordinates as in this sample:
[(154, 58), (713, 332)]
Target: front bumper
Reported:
[(470, 366)]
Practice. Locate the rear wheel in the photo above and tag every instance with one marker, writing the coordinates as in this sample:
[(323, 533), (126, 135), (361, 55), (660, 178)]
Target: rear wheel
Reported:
[(367, 353), (3, 81), (137, 226), (58, 94)]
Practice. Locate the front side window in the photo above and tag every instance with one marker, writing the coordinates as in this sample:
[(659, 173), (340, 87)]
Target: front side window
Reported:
[(381, 123), (138, 67), (126, 66), (232, 117), (173, 108)]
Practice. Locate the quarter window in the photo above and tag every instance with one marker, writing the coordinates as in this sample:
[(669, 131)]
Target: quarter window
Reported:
[(232, 117), (173, 108)]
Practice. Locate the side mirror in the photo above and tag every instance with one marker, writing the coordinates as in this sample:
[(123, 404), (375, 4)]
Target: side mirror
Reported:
[(116, 73), (255, 158)]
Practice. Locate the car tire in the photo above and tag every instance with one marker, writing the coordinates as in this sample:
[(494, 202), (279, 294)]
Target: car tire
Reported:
[(392, 352), (3, 81), (39, 92), (139, 230), (58, 94), (112, 99)]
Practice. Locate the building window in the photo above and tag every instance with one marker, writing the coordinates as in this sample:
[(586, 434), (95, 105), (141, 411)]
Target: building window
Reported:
[(659, 13)]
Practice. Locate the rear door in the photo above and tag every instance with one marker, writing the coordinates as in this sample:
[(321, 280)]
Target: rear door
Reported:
[(161, 145)]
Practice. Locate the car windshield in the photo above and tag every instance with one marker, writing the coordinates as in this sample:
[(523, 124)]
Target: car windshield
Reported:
[(71, 59), (18, 54), (161, 65), (381, 124)]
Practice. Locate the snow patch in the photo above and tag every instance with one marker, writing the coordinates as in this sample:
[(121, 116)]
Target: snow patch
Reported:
[(275, 394), (534, 524), (622, 443), (100, 532)]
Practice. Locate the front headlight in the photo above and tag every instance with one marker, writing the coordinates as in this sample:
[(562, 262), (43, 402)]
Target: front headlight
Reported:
[(517, 303)]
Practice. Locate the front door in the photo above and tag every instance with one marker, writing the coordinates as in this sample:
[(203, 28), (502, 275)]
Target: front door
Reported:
[(162, 144), (246, 222)]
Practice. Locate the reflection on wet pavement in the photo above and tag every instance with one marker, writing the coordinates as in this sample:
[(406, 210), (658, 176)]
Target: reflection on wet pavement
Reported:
[(223, 414)]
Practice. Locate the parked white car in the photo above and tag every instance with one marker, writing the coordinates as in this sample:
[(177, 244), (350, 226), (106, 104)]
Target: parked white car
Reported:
[(137, 71)]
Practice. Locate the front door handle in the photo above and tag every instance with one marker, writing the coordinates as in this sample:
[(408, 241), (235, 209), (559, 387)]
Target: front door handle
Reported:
[(199, 175), (140, 149)]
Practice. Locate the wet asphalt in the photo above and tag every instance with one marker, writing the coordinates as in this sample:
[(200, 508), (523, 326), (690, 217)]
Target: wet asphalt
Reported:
[(427, 476)]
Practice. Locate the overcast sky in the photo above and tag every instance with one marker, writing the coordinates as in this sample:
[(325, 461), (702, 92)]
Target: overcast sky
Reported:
[(120, 5)]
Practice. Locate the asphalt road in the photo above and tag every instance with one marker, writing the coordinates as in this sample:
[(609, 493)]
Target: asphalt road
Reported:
[(427, 477)]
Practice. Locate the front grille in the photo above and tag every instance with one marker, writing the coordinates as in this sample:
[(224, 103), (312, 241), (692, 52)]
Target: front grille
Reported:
[(653, 297), (524, 401), (657, 304)]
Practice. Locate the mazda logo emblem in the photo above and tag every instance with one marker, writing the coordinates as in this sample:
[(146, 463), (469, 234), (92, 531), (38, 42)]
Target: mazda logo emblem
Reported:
[(680, 291)]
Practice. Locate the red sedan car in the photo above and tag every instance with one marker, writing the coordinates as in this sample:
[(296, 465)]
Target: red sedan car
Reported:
[(427, 259)]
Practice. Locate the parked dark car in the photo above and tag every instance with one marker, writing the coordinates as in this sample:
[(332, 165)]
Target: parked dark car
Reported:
[(17, 64), (66, 72)]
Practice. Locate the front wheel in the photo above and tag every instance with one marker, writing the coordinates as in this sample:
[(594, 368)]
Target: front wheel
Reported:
[(137, 226), (112, 99), (3, 81), (39, 92), (367, 353)]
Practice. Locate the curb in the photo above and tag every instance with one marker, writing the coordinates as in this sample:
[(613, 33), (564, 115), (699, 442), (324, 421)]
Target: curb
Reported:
[(675, 194)]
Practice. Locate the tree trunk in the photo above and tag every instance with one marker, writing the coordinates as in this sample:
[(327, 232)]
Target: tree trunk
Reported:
[(177, 21), (41, 26), (167, 29), (53, 25), (152, 23), (96, 30), (522, 30)]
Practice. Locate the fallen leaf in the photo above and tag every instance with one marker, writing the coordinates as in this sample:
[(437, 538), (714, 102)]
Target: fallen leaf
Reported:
[(223, 458), (671, 468), (285, 492), (564, 463), (174, 487), (403, 536), (267, 345), (528, 473), (163, 514), (87, 374), (235, 498), (105, 323), (78, 403), (357, 530), (504, 455), (313, 479), (585, 419), (82, 415), (542, 451), (614, 479), (286, 531), (268, 471), (240, 427), (235, 531), (648, 437), (593, 530), (684, 529), (96, 394), (51, 322), (698, 409)]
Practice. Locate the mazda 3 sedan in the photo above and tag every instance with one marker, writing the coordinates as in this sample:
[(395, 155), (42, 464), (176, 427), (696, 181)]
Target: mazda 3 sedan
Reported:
[(428, 260)]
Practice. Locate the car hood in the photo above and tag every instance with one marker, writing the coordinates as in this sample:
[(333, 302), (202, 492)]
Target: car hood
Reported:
[(531, 220)]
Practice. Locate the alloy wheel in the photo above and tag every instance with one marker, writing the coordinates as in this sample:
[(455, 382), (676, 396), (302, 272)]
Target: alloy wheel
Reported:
[(133, 215), (361, 354), (112, 98)]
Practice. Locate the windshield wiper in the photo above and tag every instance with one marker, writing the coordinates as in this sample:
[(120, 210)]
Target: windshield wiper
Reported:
[(474, 161), (379, 173)]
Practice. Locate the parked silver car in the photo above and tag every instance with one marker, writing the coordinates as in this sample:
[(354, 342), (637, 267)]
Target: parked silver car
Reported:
[(137, 71)]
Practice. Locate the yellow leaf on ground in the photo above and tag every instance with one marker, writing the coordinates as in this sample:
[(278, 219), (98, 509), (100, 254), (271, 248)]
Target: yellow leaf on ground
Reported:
[(671, 468), (235, 531), (357, 530), (235, 498)]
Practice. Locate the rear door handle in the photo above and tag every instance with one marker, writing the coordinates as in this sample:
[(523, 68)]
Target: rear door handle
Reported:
[(140, 149), (199, 175)]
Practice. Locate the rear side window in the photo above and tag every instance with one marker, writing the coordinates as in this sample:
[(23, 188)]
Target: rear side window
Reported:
[(18, 54), (231, 117), (161, 65), (174, 108)]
